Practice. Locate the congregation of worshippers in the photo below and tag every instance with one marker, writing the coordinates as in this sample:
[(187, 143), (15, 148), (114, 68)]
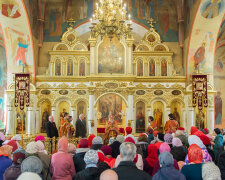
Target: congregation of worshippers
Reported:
[(176, 154)]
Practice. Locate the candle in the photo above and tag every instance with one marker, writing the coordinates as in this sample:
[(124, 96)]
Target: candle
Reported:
[(91, 20), (129, 16)]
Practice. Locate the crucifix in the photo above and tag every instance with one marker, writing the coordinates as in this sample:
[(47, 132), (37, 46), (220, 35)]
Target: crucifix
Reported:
[(151, 21)]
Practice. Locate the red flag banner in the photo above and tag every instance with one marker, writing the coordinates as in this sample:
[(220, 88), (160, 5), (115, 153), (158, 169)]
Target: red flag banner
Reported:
[(199, 90), (22, 90)]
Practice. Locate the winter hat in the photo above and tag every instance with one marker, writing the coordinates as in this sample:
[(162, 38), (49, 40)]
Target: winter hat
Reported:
[(129, 139), (71, 148), (91, 157), (181, 129), (120, 138), (97, 140), (63, 145), (143, 138), (32, 148), (40, 146), (2, 136), (16, 138), (13, 144), (90, 139), (203, 137), (168, 138), (39, 138), (166, 159), (193, 130), (32, 164), (128, 130), (19, 155), (83, 143), (210, 171), (115, 148), (107, 150), (206, 131), (164, 147), (29, 176), (160, 136), (101, 156), (176, 142)]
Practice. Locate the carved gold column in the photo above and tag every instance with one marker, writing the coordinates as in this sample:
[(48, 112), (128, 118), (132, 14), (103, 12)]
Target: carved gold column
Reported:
[(129, 56), (92, 56), (130, 109), (92, 128)]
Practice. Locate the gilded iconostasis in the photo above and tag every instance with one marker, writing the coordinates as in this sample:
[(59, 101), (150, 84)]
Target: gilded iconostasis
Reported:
[(131, 78)]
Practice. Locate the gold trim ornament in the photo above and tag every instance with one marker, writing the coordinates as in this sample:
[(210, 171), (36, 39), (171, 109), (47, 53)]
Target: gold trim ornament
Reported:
[(199, 90), (22, 90)]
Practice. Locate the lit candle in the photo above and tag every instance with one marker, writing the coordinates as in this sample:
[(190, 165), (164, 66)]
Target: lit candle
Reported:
[(91, 20), (121, 2), (97, 6), (129, 16), (113, 12), (125, 5)]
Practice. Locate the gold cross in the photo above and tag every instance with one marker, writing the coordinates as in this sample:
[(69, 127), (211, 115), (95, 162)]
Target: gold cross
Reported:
[(71, 22), (151, 22)]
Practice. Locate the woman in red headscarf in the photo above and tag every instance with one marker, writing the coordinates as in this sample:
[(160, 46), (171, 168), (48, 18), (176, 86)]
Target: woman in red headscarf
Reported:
[(194, 169), (151, 159)]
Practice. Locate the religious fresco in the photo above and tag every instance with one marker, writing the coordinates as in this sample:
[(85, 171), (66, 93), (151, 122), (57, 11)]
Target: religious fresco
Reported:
[(70, 68), (176, 111), (110, 104), (21, 119), (3, 79), (63, 107), (111, 56), (219, 77), (158, 109), (140, 68), (200, 118), (212, 8), (58, 12), (10, 9), (140, 117), (81, 109), (82, 68), (45, 113)]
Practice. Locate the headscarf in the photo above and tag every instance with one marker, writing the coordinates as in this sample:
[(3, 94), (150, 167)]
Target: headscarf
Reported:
[(164, 147), (19, 155), (195, 140), (193, 130), (71, 148), (210, 171), (129, 139), (90, 139), (206, 131), (128, 130), (63, 145), (132, 136), (16, 138), (97, 140), (32, 164), (152, 155), (195, 154), (166, 159), (203, 137), (2, 136), (83, 143), (6, 150), (32, 148), (120, 138), (91, 157), (168, 138), (13, 144), (115, 148), (29, 176), (176, 142), (107, 150), (39, 138), (101, 156)]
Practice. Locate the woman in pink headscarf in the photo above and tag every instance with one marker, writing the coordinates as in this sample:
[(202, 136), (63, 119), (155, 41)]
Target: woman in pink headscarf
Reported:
[(163, 147), (62, 166)]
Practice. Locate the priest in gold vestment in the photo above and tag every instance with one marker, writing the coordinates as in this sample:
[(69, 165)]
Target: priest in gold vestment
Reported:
[(111, 130)]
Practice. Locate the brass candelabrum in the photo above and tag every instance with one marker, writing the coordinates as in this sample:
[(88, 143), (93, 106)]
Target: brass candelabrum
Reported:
[(109, 20)]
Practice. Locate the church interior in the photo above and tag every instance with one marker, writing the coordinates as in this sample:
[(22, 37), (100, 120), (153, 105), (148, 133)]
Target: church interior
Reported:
[(129, 59)]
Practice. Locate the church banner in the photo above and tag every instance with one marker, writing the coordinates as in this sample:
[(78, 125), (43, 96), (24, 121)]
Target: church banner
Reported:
[(199, 90), (22, 90)]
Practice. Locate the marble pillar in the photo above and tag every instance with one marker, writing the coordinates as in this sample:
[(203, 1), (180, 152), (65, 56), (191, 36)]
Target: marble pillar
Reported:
[(37, 130), (190, 118), (92, 60), (11, 121), (183, 118), (73, 112), (91, 115), (210, 119), (30, 121)]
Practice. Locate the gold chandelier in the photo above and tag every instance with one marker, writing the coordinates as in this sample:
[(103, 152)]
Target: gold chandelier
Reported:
[(109, 19)]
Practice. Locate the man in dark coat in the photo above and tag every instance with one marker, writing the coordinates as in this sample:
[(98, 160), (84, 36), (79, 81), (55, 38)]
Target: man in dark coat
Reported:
[(127, 168), (81, 127), (51, 128)]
